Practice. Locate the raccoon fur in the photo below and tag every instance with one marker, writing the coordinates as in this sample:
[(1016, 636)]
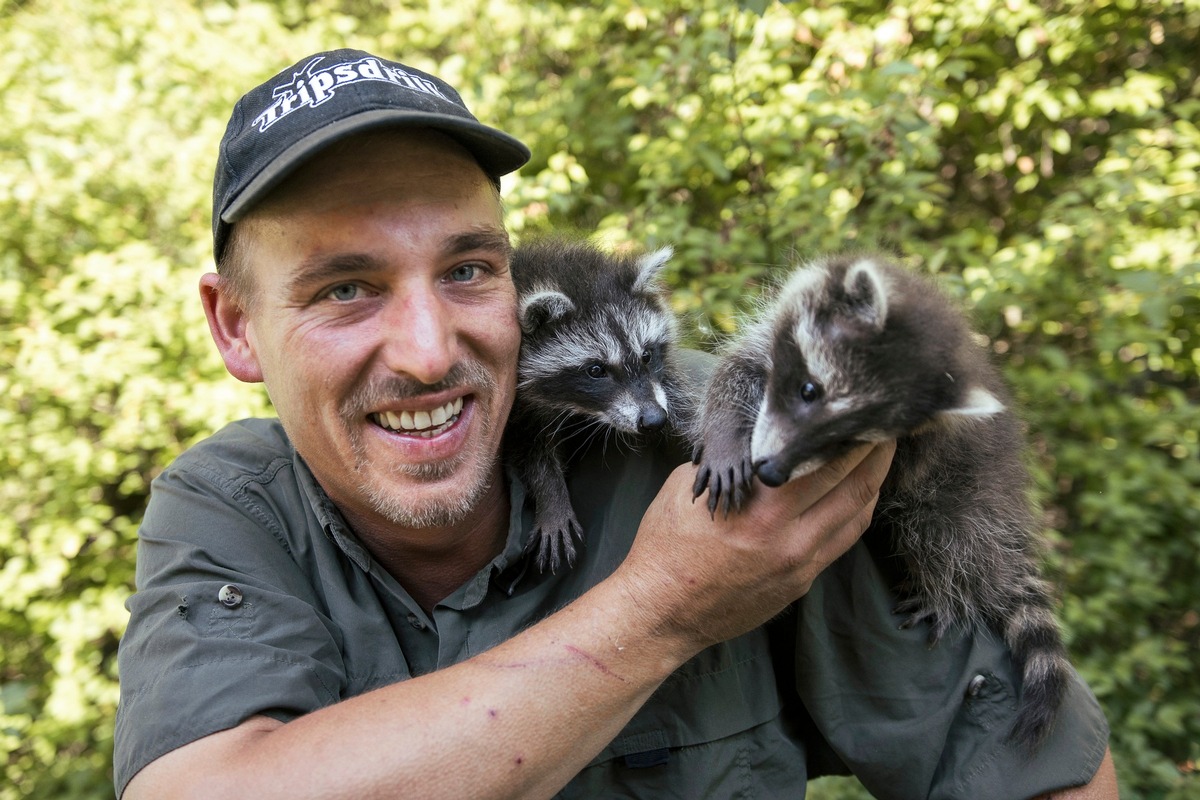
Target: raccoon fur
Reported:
[(856, 349), (597, 355)]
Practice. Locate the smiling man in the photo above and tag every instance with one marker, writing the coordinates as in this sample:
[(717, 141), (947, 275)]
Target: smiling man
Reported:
[(381, 317), (337, 603)]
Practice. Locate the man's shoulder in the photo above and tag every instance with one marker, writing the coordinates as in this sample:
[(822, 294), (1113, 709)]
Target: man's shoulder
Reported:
[(246, 447), (256, 433), (226, 490), (247, 458)]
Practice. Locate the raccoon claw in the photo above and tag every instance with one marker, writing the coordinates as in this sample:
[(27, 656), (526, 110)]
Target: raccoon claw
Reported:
[(916, 613), (555, 545), (728, 488), (701, 483)]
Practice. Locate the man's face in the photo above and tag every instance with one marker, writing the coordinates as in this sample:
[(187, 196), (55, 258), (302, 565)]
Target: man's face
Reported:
[(383, 320)]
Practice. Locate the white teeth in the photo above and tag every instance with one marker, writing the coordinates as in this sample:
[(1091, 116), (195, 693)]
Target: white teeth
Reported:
[(423, 423)]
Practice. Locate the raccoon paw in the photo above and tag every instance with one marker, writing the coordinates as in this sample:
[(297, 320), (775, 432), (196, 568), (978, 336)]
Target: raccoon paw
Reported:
[(727, 484), (915, 612), (555, 544)]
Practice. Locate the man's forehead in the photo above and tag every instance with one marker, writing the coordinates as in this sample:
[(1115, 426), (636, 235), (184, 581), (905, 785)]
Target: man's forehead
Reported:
[(393, 163)]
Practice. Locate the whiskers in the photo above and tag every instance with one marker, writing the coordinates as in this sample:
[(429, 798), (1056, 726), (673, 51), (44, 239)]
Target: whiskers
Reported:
[(579, 434)]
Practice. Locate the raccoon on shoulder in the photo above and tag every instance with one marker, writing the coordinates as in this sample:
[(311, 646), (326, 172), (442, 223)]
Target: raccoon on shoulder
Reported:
[(853, 349), (597, 356)]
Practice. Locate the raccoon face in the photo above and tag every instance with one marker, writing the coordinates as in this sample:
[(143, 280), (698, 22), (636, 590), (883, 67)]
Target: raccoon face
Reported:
[(608, 364), (808, 415), (854, 364), (825, 393), (627, 395)]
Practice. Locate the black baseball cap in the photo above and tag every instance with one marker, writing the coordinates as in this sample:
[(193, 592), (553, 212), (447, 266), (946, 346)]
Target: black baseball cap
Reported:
[(326, 97)]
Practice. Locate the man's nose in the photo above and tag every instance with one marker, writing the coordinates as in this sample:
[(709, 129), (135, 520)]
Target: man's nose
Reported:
[(419, 336)]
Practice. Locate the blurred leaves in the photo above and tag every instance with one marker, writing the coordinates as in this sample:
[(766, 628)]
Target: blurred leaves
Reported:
[(1042, 158)]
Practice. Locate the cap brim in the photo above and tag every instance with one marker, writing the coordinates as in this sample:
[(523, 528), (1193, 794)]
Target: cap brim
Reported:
[(497, 152)]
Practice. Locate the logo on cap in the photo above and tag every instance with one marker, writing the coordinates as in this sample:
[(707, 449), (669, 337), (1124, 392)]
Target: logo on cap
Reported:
[(311, 86)]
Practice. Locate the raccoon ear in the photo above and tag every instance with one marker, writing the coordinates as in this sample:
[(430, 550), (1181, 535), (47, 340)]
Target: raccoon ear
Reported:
[(544, 306), (649, 267), (866, 290), (978, 402)]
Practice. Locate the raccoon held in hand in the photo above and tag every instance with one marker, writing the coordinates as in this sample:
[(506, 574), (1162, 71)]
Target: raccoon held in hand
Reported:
[(856, 349), (596, 356)]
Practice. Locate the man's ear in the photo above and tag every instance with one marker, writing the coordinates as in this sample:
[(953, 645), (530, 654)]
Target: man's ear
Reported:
[(229, 324)]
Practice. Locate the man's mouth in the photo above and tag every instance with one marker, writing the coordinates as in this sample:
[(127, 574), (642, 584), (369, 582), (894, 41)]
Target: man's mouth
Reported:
[(424, 424)]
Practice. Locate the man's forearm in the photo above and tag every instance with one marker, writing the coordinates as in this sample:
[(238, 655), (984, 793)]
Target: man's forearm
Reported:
[(519, 720)]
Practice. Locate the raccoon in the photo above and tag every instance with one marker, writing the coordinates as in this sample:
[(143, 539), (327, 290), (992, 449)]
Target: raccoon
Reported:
[(597, 355), (856, 349)]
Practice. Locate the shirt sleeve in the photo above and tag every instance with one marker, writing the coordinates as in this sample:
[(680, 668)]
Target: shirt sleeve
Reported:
[(223, 625), (910, 720)]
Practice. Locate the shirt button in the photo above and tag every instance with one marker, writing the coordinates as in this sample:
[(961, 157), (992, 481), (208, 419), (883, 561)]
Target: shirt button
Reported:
[(416, 622), (230, 596)]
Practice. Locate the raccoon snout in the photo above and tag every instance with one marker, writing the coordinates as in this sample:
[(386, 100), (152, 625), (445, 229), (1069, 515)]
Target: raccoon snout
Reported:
[(769, 471), (651, 419)]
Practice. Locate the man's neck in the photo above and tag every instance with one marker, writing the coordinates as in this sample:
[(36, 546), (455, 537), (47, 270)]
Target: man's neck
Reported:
[(430, 563)]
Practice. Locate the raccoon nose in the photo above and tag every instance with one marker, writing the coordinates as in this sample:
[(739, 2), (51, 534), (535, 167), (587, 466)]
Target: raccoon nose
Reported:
[(769, 472), (651, 419)]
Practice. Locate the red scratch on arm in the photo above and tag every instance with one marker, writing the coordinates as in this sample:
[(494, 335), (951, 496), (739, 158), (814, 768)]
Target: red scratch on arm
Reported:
[(591, 659)]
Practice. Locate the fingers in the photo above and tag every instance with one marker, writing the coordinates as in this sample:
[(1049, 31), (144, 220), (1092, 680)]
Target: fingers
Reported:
[(850, 481), (844, 514), (862, 476), (837, 519), (818, 484)]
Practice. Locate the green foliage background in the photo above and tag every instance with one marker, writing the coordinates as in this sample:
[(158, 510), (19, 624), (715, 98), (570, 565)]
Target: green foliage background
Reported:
[(1042, 157)]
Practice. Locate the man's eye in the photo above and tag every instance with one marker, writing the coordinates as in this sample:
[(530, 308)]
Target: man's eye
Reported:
[(344, 292), (464, 273)]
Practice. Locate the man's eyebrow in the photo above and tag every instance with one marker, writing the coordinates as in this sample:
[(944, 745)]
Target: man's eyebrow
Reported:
[(322, 269), (491, 239)]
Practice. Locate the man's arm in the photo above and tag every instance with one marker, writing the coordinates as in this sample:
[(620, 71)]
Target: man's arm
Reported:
[(523, 718)]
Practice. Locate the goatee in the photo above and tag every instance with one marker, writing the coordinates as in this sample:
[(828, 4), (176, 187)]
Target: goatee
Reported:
[(449, 508)]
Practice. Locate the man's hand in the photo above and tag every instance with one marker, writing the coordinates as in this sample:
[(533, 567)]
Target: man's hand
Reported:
[(706, 578)]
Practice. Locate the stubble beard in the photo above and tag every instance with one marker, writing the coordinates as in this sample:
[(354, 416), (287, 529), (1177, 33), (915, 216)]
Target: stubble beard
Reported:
[(446, 508)]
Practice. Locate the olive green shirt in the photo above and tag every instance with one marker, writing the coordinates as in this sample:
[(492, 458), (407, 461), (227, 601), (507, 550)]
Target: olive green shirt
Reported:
[(254, 597)]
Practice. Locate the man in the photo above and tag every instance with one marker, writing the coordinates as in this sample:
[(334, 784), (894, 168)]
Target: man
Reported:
[(338, 604)]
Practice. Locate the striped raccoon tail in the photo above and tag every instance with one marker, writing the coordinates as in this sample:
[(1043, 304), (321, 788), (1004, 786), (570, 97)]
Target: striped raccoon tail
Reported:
[(1033, 635)]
